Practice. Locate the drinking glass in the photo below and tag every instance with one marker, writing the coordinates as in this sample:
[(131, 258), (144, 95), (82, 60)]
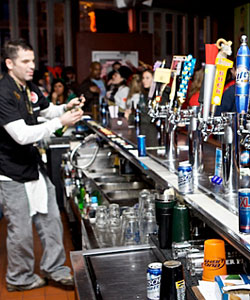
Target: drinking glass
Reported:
[(148, 223), (114, 217), (131, 233), (101, 216)]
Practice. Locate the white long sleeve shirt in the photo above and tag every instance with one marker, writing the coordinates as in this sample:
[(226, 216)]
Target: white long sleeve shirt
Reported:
[(27, 134)]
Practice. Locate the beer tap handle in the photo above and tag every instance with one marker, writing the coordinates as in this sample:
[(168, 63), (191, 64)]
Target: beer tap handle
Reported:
[(201, 94), (200, 99), (173, 90)]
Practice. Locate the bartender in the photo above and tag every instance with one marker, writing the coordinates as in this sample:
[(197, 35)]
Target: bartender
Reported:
[(25, 190)]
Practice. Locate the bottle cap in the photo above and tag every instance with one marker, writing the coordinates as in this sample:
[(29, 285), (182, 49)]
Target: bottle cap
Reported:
[(94, 199)]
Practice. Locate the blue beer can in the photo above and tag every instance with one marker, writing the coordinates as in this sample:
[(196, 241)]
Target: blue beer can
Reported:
[(153, 281), (244, 210), (141, 143), (242, 76), (185, 178)]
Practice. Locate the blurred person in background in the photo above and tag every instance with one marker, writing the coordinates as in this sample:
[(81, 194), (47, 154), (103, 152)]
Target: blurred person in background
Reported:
[(147, 127), (138, 94), (147, 79), (39, 80), (228, 97), (115, 66), (69, 76), (230, 79), (118, 95), (194, 90), (92, 87), (139, 89), (60, 94), (135, 88)]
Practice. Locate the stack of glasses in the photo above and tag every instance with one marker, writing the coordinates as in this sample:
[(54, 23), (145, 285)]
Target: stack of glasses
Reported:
[(127, 225)]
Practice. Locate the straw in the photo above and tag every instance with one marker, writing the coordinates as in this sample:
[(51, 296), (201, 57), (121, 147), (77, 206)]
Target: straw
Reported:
[(211, 52)]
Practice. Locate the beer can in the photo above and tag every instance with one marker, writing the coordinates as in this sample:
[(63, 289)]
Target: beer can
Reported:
[(153, 281), (244, 210), (141, 143), (173, 284), (242, 76), (185, 178)]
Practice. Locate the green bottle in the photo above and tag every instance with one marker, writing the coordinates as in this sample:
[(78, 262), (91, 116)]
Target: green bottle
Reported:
[(98, 195), (81, 198), (60, 132)]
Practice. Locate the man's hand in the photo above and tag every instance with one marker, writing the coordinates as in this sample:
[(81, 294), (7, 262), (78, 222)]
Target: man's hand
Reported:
[(71, 117), (76, 102)]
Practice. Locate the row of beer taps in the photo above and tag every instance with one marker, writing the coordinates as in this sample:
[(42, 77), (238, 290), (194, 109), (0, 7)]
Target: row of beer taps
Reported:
[(232, 127)]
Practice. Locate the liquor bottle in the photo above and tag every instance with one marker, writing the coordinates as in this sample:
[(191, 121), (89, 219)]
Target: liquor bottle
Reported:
[(81, 199), (104, 113), (137, 117), (132, 108), (93, 207), (60, 132), (158, 123), (79, 196), (97, 194), (137, 120), (67, 179)]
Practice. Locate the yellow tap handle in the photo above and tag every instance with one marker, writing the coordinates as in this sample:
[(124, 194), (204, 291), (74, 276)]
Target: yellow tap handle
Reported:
[(222, 65)]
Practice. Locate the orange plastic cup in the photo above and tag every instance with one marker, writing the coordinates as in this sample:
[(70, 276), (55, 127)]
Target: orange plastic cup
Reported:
[(214, 259)]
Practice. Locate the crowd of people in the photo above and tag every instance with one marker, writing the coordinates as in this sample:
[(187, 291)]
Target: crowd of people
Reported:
[(124, 86)]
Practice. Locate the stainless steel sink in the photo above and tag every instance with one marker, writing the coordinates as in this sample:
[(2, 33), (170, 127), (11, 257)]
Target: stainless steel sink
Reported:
[(114, 179), (136, 185), (123, 194), (123, 197), (101, 171), (102, 163), (104, 159)]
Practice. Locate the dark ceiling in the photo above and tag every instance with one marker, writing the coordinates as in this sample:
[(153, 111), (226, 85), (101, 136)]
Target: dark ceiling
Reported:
[(208, 7), (211, 7), (215, 7)]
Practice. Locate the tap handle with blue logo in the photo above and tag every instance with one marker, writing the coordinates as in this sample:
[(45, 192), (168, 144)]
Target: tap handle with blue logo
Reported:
[(242, 76)]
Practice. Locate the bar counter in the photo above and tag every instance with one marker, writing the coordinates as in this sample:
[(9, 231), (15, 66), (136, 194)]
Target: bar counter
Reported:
[(208, 202)]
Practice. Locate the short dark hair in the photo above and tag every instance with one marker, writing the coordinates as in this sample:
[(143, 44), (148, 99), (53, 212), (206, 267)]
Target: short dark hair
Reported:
[(11, 48), (116, 63), (94, 63)]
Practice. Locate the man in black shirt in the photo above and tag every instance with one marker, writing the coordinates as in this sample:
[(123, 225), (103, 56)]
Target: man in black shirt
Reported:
[(92, 87), (25, 190)]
